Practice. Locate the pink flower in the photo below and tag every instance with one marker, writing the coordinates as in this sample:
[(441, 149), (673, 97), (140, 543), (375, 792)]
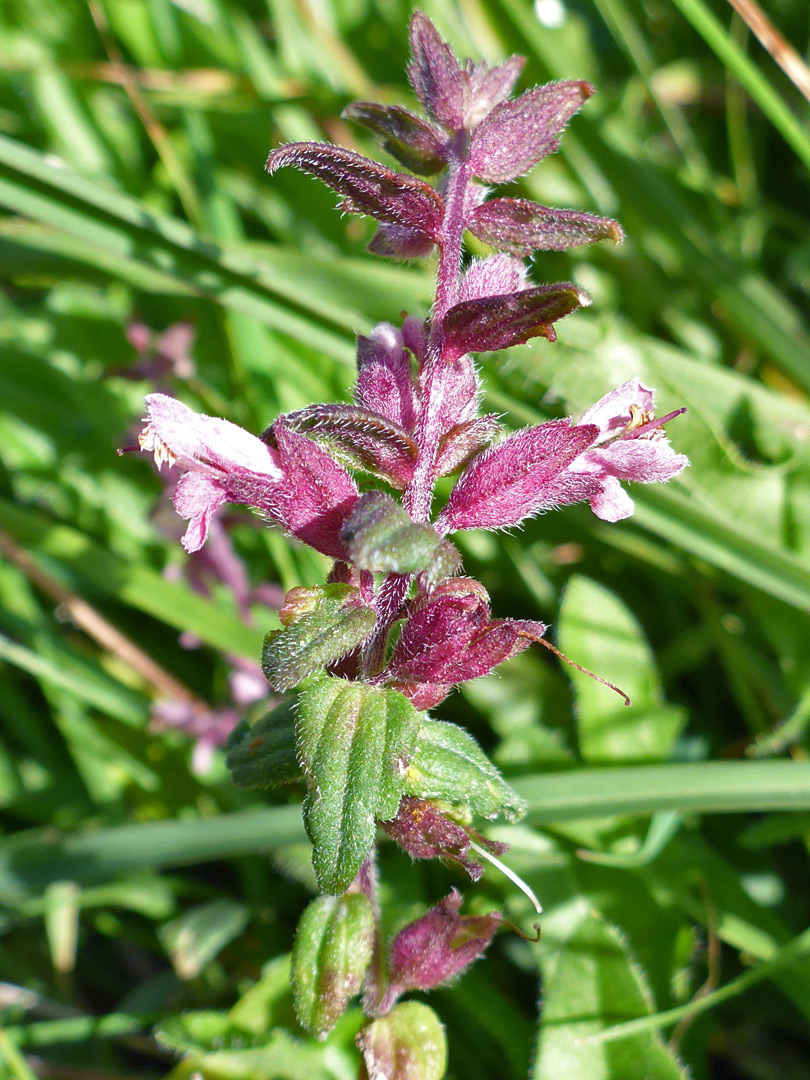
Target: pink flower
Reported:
[(631, 445), (295, 482)]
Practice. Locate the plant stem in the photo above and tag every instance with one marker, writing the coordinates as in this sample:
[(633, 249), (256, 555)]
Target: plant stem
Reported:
[(418, 495)]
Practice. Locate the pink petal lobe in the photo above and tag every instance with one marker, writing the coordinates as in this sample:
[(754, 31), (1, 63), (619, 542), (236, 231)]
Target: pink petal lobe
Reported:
[(197, 498)]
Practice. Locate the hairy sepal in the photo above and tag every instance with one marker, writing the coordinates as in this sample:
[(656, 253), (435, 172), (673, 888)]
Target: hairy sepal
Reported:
[(355, 743), (521, 227), (362, 438), (380, 536), (404, 136), (407, 1044), (463, 442), (319, 626), (498, 322), (262, 755), (332, 950), (517, 134), (368, 187), (449, 765), (521, 476)]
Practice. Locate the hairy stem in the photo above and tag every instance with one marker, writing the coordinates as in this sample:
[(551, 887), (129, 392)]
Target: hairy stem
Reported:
[(418, 495)]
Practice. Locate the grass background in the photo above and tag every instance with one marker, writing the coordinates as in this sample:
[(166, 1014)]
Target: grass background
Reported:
[(668, 842)]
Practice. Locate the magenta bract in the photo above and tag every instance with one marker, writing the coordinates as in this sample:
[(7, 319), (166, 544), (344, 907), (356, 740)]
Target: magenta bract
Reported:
[(438, 946)]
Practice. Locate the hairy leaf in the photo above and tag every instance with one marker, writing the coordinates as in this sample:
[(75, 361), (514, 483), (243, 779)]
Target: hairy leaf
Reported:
[(522, 226), (498, 322), (380, 536), (517, 134), (364, 439), (369, 188), (355, 743), (332, 949), (325, 623), (263, 754), (405, 137), (449, 765)]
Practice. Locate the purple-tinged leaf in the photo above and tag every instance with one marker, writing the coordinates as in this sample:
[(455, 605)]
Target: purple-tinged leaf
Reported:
[(317, 496), (521, 226), (517, 134), (436, 947), (495, 275), (369, 188), (385, 382), (498, 322), (435, 75), (407, 138), (521, 476), (362, 438), (463, 442), (400, 242), (488, 87)]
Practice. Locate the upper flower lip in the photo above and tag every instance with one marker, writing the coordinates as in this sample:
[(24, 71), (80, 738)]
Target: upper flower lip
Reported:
[(176, 434)]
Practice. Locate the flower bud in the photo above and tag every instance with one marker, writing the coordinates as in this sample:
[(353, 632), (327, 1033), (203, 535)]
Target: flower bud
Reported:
[(408, 1044), (438, 946), (332, 950)]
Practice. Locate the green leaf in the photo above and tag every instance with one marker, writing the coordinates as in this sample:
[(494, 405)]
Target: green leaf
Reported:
[(199, 934), (321, 624), (381, 537), (355, 742), (263, 754), (332, 950), (718, 787), (599, 631), (449, 765), (591, 983)]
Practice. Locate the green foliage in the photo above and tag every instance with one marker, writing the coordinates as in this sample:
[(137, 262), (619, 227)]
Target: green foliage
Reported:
[(447, 760), (323, 624), (665, 862), (354, 742), (263, 754)]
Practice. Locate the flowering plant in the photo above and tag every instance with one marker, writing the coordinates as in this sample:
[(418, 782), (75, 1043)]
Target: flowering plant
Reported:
[(397, 626)]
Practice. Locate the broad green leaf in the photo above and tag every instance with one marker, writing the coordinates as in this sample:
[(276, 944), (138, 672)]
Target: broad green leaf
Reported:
[(355, 742), (263, 754), (591, 982), (448, 764), (332, 949), (321, 624), (596, 628)]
